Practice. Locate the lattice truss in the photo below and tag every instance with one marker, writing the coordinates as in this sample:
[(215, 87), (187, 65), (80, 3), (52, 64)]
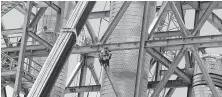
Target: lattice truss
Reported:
[(168, 42)]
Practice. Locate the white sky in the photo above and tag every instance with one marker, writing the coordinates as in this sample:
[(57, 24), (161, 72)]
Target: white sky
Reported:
[(14, 19)]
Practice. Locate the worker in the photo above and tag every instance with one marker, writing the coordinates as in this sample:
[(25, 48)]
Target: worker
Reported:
[(104, 57)]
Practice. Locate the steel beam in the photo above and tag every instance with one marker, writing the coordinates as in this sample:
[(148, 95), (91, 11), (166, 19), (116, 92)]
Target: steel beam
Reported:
[(93, 72), (12, 31), (40, 40), (23, 10), (204, 17), (202, 5), (156, 20), (172, 44), (189, 90), (99, 14), (164, 34), (80, 89), (213, 18), (22, 51), (171, 90), (143, 37), (82, 78), (74, 73), (151, 85), (37, 17), (151, 44), (32, 26), (115, 21), (84, 17), (179, 18), (54, 6), (185, 5), (169, 84), (166, 62), (169, 72), (8, 73)]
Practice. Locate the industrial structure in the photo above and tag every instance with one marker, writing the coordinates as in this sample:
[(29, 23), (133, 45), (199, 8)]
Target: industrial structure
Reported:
[(147, 41)]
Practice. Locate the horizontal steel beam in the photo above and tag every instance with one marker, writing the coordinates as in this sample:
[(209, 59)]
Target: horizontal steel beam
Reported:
[(169, 84), (8, 73), (150, 44), (12, 73), (43, 52), (169, 44), (79, 89), (151, 85), (164, 34), (99, 14), (12, 31)]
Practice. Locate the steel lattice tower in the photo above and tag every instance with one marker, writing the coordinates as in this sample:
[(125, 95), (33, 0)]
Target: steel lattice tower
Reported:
[(149, 40)]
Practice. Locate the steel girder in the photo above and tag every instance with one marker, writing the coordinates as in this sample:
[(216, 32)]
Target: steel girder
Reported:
[(22, 51), (143, 37), (174, 44), (150, 85), (120, 46)]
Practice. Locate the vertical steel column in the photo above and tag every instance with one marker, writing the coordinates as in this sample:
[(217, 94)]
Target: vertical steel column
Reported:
[(196, 19), (83, 72), (140, 66), (22, 51)]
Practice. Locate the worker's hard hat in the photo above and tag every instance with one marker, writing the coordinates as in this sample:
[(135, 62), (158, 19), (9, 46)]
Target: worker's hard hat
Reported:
[(105, 47)]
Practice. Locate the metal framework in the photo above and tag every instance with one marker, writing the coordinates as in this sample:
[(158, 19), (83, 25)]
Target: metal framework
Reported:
[(17, 56)]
